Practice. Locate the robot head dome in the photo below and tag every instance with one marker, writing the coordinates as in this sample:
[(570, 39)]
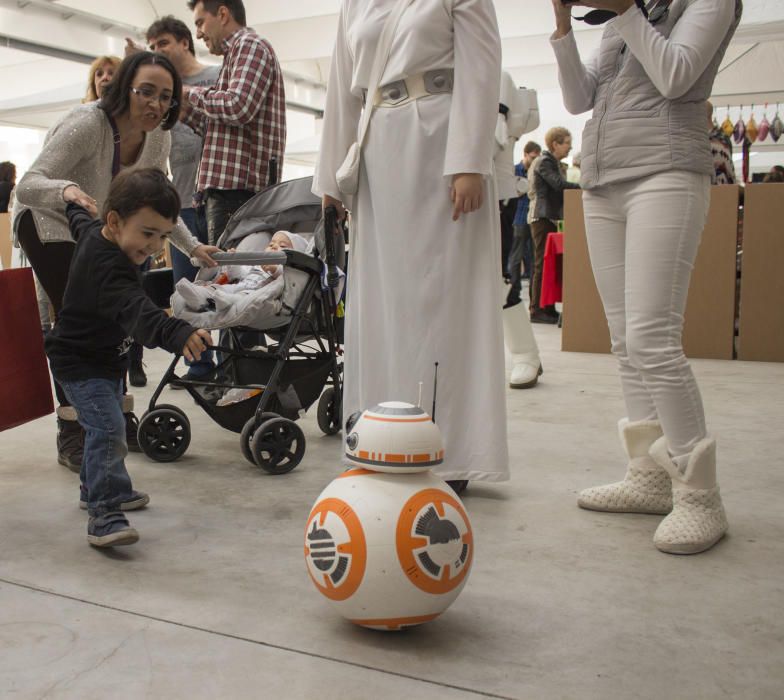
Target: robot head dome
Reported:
[(395, 437)]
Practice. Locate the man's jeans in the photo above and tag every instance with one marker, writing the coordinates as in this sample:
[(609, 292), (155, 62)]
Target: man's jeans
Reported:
[(196, 221), (99, 405), (519, 257), (220, 205)]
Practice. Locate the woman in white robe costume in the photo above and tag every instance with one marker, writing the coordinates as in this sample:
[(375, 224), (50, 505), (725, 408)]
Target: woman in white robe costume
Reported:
[(423, 287)]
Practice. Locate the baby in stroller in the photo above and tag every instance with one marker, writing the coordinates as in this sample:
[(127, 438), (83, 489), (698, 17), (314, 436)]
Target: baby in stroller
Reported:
[(219, 296)]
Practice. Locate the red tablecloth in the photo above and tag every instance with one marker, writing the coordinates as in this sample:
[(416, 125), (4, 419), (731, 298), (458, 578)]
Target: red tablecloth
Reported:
[(552, 272)]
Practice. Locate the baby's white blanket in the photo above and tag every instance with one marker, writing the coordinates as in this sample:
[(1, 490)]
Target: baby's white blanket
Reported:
[(259, 308)]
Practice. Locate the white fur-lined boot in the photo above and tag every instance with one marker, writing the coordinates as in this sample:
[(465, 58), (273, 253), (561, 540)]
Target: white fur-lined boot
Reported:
[(698, 520), (521, 343), (646, 487)]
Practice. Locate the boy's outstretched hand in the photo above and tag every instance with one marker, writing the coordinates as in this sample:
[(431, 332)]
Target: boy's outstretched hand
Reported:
[(197, 344)]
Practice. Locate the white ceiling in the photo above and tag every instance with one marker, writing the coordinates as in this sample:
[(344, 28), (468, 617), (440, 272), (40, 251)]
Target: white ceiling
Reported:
[(37, 88)]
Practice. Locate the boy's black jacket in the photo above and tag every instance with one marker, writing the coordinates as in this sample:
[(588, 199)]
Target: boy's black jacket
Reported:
[(104, 309)]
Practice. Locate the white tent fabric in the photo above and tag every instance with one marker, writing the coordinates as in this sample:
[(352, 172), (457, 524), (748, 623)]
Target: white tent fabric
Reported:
[(40, 41)]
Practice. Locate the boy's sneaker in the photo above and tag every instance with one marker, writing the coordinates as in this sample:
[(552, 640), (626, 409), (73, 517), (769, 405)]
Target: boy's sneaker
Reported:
[(135, 501), (110, 529)]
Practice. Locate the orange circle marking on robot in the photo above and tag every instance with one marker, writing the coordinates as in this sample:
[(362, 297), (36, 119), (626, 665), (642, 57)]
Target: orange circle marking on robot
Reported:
[(355, 548), (408, 543)]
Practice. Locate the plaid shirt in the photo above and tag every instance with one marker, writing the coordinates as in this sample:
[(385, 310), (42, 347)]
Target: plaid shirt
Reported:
[(242, 117)]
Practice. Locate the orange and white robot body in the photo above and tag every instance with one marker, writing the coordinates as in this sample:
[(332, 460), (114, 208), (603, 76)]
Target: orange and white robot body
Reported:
[(388, 550)]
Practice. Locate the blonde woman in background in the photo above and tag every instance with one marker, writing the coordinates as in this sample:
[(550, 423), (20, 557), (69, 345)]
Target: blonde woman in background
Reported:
[(102, 71)]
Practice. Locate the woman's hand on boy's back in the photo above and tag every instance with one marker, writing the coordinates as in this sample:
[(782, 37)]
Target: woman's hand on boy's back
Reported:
[(197, 343), (73, 194)]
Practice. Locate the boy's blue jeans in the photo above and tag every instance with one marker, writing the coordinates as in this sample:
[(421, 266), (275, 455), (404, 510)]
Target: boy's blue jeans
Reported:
[(99, 405)]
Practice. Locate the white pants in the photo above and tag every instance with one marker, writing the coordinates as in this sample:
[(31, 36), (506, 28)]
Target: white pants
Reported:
[(643, 237)]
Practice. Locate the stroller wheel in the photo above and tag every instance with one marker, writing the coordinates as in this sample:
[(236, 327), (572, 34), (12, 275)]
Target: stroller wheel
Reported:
[(328, 413), (164, 433), (278, 445), (247, 435)]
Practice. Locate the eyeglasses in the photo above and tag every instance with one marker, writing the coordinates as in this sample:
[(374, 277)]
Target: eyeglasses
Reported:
[(149, 94)]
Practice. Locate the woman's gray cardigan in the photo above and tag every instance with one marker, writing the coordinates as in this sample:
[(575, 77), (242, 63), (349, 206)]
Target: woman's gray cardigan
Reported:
[(79, 150)]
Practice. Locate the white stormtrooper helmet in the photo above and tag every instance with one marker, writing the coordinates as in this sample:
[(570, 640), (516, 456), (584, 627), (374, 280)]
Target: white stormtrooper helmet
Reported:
[(520, 106)]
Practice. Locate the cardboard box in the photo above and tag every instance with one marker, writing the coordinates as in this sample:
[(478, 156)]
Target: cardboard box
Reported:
[(710, 310), (761, 331)]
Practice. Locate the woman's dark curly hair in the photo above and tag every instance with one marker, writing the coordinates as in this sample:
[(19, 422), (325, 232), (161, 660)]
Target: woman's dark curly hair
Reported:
[(116, 98)]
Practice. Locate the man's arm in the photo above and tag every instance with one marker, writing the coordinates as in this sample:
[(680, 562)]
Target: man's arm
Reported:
[(253, 71)]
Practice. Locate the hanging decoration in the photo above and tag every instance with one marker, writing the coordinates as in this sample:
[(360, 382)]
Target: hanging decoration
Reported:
[(726, 125), (752, 130), (739, 132), (764, 125), (776, 126)]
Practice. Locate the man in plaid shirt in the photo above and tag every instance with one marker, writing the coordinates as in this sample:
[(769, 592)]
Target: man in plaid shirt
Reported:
[(242, 117)]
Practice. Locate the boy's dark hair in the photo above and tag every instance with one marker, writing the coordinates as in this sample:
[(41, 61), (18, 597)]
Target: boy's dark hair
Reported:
[(133, 190), (171, 25), (116, 98), (531, 147), (236, 8)]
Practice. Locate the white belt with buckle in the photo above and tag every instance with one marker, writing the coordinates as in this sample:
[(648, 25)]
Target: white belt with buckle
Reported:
[(401, 92)]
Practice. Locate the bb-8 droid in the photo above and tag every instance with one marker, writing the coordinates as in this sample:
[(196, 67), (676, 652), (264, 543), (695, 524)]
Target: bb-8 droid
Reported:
[(388, 542)]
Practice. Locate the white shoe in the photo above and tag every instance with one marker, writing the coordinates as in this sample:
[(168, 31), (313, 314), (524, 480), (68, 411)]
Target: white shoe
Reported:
[(524, 374), (698, 520), (521, 343), (646, 488)]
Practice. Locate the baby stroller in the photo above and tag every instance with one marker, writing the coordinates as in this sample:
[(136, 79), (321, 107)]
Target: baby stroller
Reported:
[(285, 377)]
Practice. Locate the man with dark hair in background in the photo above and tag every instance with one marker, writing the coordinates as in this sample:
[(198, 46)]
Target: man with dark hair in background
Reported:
[(521, 255), (172, 38), (243, 116)]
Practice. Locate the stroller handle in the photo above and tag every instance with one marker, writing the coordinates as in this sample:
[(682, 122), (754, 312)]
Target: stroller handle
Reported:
[(251, 258)]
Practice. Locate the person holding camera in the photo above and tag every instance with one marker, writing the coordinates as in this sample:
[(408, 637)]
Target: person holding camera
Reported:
[(646, 167)]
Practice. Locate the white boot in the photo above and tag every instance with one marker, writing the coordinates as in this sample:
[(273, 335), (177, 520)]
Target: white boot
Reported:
[(520, 341), (646, 487), (697, 521)]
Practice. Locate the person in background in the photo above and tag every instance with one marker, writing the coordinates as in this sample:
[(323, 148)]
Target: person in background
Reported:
[(646, 178), (428, 216), (721, 152), (102, 70), (548, 182), (171, 37), (126, 129), (7, 184), (521, 255), (774, 176), (104, 309), (242, 117)]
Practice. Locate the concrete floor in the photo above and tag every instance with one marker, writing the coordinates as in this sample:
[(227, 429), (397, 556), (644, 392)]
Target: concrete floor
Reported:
[(214, 601)]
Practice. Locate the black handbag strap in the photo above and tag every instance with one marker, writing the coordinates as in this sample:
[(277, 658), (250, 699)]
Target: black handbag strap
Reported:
[(116, 134)]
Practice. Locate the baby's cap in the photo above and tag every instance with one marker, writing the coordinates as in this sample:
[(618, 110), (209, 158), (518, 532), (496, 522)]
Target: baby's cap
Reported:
[(297, 242)]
